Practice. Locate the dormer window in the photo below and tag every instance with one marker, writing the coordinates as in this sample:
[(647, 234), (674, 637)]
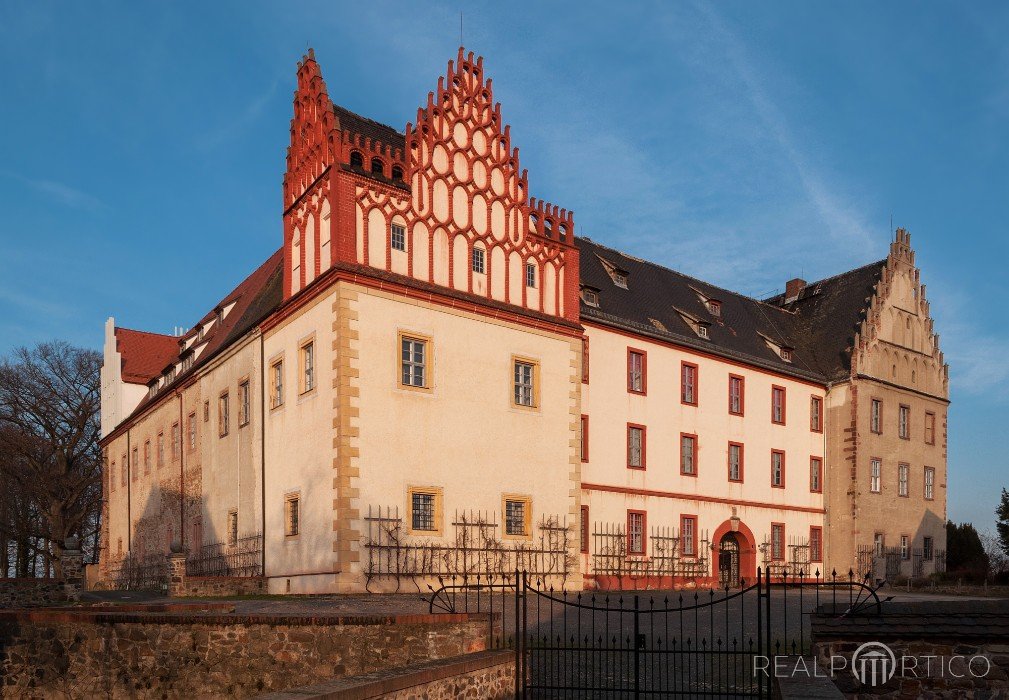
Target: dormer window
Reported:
[(187, 362), (618, 275), (702, 331), (620, 279), (715, 308), (590, 297), (786, 354), (199, 335)]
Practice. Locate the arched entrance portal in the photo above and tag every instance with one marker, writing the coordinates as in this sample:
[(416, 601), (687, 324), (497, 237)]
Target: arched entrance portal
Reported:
[(735, 548), (728, 561)]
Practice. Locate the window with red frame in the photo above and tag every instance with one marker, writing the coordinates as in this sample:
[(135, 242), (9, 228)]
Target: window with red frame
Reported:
[(585, 438), (736, 389), (688, 535), (735, 461), (635, 532), (584, 529), (688, 454), (904, 422), (815, 475), (816, 544), (816, 414), (777, 541), (585, 359), (688, 383), (777, 469), (635, 446), (929, 428), (636, 379), (778, 405)]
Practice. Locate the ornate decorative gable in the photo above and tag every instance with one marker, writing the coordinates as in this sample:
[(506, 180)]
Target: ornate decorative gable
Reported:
[(307, 226), (897, 342), (467, 221)]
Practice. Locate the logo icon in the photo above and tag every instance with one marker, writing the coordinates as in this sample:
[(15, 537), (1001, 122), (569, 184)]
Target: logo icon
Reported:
[(873, 664)]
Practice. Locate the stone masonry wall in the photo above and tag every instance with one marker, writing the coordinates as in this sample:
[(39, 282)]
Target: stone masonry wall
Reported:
[(30, 592), (221, 586), (81, 654)]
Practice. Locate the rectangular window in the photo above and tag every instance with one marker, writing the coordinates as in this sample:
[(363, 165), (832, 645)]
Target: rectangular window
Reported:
[(688, 535), (192, 430), (904, 422), (531, 275), (816, 414), (815, 544), (413, 359), (584, 530), (277, 384), (905, 550), (778, 541), (635, 446), (122, 475), (878, 543), (815, 475), (688, 454), (525, 380), (688, 384), (206, 411), (777, 469), (244, 404), (223, 416), (478, 260), (927, 549), (876, 417), (778, 405), (584, 438), (232, 527), (517, 512), (307, 367), (736, 389), (292, 515), (902, 474), (635, 532), (929, 428), (585, 359), (397, 237), (112, 477), (161, 450), (636, 371), (425, 510), (147, 457), (735, 461), (176, 440), (929, 483), (875, 475), (134, 472)]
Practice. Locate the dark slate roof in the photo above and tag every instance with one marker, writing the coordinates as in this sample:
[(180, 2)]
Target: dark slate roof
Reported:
[(356, 124), (656, 292), (828, 314)]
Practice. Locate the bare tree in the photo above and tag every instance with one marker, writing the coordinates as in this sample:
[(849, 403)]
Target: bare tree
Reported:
[(50, 461)]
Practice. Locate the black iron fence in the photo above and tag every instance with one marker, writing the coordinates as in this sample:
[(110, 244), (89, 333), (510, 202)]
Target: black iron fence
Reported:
[(242, 556), (139, 573), (893, 563), (710, 643)]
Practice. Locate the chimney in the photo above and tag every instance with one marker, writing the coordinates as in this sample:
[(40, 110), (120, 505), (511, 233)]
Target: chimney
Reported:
[(793, 288)]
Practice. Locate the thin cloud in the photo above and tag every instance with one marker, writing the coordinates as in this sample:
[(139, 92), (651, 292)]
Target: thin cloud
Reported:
[(241, 122), (59, 192), (34, 305)]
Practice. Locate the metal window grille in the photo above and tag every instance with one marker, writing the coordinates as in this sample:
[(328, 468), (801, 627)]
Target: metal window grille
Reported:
[(413, 358), (777, 542), (688, 537), (815, 545), (478, 260), (397, 235), (636, 533), (515, 517), (523, 384), (422, 511), (293, 515)]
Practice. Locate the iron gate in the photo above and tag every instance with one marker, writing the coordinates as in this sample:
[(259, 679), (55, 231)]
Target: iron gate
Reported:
[(700, 643)]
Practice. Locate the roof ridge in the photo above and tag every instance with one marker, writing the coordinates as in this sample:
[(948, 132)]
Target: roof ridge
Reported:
[(842, 274), (137, 330), (683, 274)]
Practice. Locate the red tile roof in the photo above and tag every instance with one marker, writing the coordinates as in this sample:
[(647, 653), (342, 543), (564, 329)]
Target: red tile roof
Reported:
[(144, 354)]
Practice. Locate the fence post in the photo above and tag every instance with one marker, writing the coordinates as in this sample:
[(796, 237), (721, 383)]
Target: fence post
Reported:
[(176, 572), (637, 649)]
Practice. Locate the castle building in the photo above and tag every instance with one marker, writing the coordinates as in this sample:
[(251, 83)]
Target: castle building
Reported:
[(434, 376)]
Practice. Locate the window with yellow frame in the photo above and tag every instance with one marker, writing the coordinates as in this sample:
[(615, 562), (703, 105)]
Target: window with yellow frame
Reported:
[(424, 504), (517, 511), (414, 355), (525, 382), (307, 362)]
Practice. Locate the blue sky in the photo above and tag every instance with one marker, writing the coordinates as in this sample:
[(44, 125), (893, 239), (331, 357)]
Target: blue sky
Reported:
[(142, 150)]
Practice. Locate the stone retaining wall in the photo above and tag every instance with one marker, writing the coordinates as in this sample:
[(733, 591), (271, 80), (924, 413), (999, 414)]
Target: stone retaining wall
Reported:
[(487, 675), (219, 586), (74, 653), (30, 592)]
